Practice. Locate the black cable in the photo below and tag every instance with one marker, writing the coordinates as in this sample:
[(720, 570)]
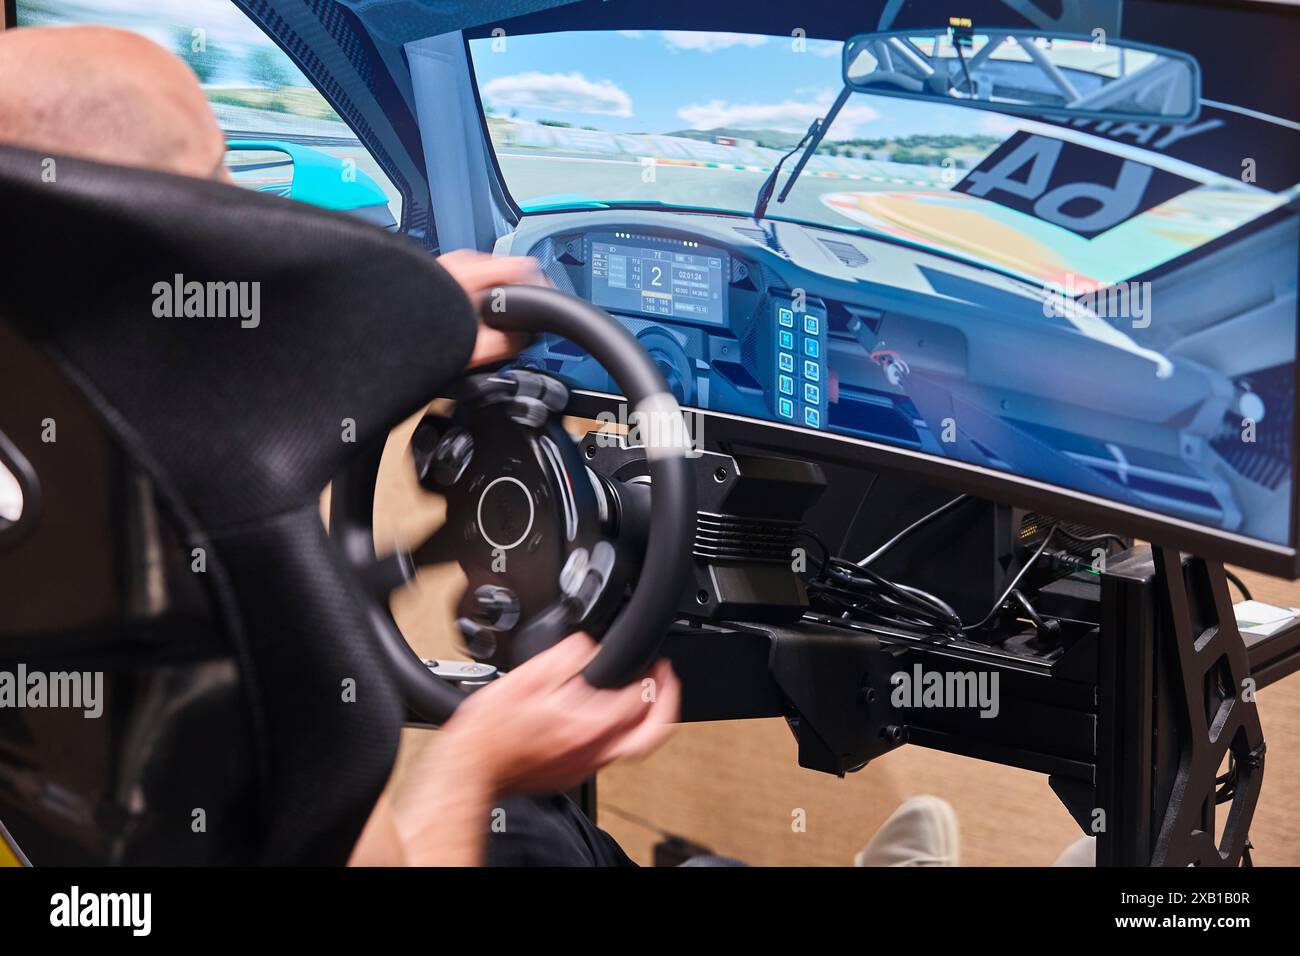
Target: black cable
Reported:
[(857, 512), (847, 590), (850, 591), (1241, 586), (853, 591), (816, 538), (1086, 539), (997, 605), (919, 523), (885, 590), (933, 599)]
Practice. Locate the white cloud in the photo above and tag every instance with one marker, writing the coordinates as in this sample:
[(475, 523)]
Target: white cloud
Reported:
[(789, 115), (709, 42), (630, 34), (826, 48), (565, 92)]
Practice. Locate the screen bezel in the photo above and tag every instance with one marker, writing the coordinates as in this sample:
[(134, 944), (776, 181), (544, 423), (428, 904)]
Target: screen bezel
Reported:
[(728, 431)]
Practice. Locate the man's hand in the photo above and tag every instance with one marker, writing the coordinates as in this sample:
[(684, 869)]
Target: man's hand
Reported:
[(543, 729), (539, 729), (478, 273)]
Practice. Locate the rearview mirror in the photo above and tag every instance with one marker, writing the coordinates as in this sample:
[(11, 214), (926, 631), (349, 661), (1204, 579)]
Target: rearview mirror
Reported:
[(1025, 71)]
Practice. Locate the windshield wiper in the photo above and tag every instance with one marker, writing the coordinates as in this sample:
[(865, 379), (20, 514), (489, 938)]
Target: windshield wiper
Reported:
[(818, 132), (765, 190)]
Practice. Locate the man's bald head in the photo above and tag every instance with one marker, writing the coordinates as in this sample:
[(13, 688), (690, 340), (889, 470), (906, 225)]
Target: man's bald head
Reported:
[(106, 95)]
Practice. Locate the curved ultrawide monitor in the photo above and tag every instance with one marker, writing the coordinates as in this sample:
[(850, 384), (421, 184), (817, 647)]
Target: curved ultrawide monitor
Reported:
[(1092, 313)]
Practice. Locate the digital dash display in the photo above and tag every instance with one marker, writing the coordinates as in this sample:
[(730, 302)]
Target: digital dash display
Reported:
[(658, 276)]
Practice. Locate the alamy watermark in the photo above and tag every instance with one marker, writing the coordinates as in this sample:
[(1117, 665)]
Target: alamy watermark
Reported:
[(1123, 300), (947, 690), (653, 429), (71, 690), (209, 300), (133, 911)]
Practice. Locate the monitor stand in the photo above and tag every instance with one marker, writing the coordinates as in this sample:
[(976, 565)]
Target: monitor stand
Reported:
[(1145, 723)]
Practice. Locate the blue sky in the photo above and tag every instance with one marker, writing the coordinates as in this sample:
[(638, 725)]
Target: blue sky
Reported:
[(661, 81)]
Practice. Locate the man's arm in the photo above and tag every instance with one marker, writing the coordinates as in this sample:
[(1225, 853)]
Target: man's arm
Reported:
[(539, 729), (453, 800)]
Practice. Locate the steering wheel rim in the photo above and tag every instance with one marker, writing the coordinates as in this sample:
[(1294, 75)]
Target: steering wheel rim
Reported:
[(632, 640)]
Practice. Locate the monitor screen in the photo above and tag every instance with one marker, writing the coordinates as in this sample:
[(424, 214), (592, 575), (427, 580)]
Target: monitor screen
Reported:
[(1099, 312)]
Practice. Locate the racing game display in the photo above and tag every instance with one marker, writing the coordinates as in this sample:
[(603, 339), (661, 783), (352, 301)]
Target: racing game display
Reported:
[(657, 276), (1101, 298)]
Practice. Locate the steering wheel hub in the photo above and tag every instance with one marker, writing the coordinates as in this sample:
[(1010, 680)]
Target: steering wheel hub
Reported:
[(505, 513)]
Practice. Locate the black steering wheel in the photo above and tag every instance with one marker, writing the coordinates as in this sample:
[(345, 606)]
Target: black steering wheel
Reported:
[(526, 520)]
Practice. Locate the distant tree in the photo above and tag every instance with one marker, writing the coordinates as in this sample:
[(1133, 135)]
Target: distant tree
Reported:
[(266, 68), (206, 61), (905, 155), (560, 123)]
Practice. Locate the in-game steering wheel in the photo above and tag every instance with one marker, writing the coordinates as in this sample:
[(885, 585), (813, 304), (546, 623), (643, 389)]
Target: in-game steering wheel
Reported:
[(527, 521)]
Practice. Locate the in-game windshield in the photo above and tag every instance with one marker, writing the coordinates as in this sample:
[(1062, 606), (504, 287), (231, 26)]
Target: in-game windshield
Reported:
[(697, 120)]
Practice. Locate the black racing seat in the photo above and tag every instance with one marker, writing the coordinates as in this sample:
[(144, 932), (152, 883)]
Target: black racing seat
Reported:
[(235, 423)]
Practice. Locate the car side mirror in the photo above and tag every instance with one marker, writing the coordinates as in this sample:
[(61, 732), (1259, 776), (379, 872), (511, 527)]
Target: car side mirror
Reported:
[(309, 175)]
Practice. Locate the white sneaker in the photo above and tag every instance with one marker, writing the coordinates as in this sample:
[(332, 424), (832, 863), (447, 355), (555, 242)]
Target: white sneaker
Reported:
[(1082, 852), (921, 832)]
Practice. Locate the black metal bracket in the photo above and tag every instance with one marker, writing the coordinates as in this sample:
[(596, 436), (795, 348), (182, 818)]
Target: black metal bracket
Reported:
[(838, 685), (831, 685), (1133, 723), (1218, 721)]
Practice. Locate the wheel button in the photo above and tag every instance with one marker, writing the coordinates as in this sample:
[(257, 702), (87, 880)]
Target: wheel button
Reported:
[(452, 456)]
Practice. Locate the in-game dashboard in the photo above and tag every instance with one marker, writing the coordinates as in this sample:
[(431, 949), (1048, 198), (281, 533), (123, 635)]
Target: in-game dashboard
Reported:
[(869, 339), (685, 285)]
